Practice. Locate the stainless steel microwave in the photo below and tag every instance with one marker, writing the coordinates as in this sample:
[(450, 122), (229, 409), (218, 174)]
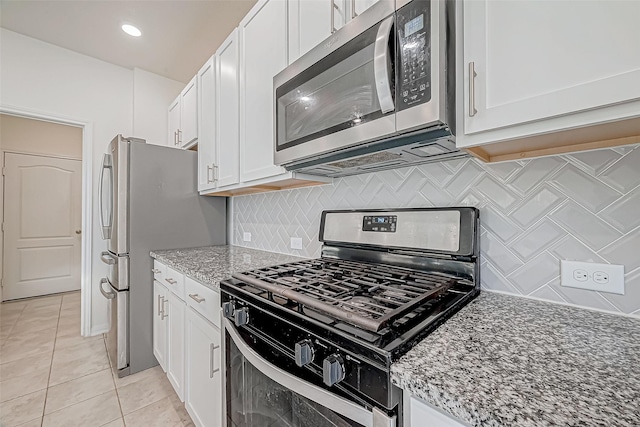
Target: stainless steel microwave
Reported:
[(377, 94)]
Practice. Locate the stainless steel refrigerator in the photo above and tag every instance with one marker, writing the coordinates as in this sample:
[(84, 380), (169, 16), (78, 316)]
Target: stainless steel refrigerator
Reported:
[(148, 201)]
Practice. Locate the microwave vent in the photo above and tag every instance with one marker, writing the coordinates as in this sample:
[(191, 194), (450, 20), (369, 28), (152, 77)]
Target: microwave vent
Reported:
[(375, 158)]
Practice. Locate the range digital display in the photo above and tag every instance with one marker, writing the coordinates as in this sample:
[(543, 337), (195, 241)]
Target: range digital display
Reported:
[(416, 24), (380, 223)]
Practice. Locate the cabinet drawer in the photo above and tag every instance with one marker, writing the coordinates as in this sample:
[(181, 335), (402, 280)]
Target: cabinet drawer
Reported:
[(159, 271), (174, 281), (204, 300)]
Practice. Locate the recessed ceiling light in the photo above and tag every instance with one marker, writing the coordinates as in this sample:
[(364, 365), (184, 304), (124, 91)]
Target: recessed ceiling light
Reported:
[(131, 30)]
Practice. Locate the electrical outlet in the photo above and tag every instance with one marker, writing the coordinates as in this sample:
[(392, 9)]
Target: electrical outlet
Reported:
[(592, 276), (296, 243), (246, 236)]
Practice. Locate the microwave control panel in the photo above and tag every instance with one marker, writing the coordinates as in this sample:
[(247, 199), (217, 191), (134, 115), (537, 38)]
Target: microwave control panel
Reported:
[(414, 54)]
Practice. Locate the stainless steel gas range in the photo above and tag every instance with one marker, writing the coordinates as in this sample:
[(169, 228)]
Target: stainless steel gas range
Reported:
[(311, 343)]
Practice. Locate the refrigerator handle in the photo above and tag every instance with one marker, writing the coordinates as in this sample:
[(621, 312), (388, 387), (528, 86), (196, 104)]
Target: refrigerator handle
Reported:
[(106, 227), (107, 258), (107, 295)]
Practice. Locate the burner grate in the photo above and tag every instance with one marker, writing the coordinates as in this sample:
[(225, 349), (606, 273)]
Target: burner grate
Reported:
[(363, 294)]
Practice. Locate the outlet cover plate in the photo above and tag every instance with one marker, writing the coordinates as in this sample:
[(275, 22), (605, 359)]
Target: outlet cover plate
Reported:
[(296, 243), (246, 236), (592, 276)]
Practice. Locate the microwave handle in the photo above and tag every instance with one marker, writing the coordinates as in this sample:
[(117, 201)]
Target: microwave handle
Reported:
[(380, 69)]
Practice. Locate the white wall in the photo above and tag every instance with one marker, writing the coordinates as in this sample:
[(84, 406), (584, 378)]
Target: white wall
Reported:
[(41, 78), (152, 94)]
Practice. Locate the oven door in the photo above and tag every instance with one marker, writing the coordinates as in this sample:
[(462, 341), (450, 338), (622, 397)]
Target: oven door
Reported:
[(339, 94), (259, 393)]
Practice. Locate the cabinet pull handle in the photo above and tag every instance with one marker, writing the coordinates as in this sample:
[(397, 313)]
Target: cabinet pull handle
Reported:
[(472, 89), (197, 298), (216, 173), (353, 9), (170, 281), (212, 349), (156, 271), (175, 138), (333, 20), (210, 169), (164, 300), (179, 136), (159, 309)]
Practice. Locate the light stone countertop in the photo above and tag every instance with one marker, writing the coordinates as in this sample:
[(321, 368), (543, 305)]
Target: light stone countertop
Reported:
[(511, 361), (501, 361), (211, 264)]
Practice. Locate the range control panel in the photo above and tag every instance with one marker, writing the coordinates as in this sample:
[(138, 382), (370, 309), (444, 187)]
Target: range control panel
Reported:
[(414, 46), (380, 223)]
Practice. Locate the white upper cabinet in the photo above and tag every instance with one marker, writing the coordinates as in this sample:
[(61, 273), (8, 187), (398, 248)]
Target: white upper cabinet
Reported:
[(189, 114), (359, 6), (227, 112), (263, 50), (531, 61), (183, 117), (309, 23), (174, 123), (207, 125)]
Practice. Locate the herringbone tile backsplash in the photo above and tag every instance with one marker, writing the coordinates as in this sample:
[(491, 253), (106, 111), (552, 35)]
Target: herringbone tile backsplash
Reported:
[(533, 213)]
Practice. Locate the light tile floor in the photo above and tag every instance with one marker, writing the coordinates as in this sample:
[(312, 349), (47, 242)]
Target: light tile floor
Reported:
[(50, 376)]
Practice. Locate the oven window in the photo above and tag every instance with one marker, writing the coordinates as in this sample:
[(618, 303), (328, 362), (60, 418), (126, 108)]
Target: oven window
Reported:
[(255, 400)]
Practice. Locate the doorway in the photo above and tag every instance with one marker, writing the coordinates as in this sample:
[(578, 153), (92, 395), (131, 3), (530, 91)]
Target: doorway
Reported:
[(42, 200)]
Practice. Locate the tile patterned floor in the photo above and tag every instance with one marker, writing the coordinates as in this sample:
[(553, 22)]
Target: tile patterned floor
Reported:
[(51, 376)]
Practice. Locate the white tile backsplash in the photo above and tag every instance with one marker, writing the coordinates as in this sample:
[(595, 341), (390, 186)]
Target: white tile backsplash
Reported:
[(533, 213)]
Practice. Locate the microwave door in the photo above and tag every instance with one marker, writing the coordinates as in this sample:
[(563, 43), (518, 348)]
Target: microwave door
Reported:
[(343, 100)]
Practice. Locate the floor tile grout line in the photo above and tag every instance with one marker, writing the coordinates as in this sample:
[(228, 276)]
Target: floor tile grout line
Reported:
[(46, 393), (113, 378)]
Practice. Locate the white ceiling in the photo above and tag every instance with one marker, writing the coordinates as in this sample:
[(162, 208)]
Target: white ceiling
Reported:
[(178, 36)]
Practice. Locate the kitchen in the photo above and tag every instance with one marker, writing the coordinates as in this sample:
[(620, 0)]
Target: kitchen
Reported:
[(534, 212)]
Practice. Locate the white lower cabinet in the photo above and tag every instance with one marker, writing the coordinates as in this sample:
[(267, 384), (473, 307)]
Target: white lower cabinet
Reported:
[(204, 371), (418, 413), (187, 343), (175, 344), (160, 294)]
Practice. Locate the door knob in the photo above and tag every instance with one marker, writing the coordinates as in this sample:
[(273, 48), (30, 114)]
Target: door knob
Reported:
[(78, 231)]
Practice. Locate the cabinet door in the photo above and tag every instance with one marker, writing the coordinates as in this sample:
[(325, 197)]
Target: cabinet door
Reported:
[(160, 324), (359, 6), (206, 125), (420, 414), (174, 123), (565, 57), (189, 113), (263, 50), (309, 24), (204, 371), (227, 111), (175, 343)]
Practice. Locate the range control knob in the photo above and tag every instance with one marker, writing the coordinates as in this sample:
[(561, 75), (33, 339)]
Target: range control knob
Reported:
[(333, 370), (241, 316), (227, 309), (304, 352)]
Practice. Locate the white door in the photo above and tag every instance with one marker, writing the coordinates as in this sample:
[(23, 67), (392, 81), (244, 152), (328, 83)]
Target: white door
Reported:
[(175, 343), (359, 6), (540, 59), (309, 24), (227, 111), (204, 377), (42, 225), (174, 123), (207, 125), (160, 324), (189, 113), (263, 48)]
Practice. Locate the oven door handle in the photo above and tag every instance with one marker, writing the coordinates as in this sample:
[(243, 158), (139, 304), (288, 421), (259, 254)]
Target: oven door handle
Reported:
[(312, 392), (380, 69)]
